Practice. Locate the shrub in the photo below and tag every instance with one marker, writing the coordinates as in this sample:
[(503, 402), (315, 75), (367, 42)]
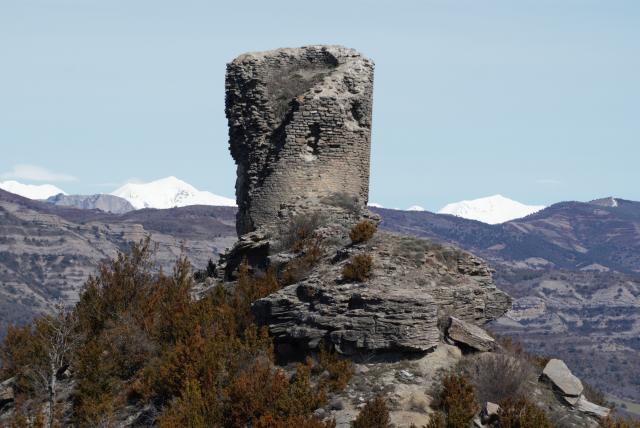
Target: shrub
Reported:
[(300, 229), (457, 400), (358, 268), (375, 414), (337, 371), (310, 253), (437, 420), (202, 363), (619, 422), (343, 200), (595, 395), (521, 413), (362, 231), (497, 376)]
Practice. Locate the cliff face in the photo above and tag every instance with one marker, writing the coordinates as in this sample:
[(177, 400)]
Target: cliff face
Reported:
[(299, 126)]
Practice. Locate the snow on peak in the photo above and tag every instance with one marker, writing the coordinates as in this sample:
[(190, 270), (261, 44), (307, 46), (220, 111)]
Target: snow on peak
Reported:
[(375, 205), (168, 192), (31, 191), (492, 209), (416, 208)]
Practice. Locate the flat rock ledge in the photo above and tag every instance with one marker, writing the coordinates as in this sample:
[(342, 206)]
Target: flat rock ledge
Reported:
[(351, 318)]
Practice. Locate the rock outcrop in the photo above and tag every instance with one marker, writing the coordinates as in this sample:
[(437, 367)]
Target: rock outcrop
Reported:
[(300, 132), (299, 126), (395, 310)]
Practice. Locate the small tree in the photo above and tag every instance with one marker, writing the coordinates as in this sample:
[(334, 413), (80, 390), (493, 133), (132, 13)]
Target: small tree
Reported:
[(375, 414), (458, 401), (57, 335)]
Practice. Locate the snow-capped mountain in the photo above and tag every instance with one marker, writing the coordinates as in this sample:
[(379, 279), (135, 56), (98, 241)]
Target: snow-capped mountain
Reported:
[(492, 209), (416, 208), (31, 191), (168, 193)]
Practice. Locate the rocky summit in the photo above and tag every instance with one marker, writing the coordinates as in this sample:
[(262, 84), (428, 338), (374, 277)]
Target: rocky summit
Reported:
[(299, 131)]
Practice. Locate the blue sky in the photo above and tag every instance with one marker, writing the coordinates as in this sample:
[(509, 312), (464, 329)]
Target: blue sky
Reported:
[(536, 100)]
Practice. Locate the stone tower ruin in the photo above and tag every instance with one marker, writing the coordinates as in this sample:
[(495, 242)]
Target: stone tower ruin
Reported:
[(299, 128)]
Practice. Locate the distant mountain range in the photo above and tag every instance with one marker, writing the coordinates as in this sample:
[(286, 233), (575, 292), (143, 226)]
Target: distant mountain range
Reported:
[(172, 192), (168, 192), (102, 202), (31, 191), (492, 209)]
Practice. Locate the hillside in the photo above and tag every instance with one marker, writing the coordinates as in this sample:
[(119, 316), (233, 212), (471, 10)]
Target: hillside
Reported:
[(572, 269), (47, 251)]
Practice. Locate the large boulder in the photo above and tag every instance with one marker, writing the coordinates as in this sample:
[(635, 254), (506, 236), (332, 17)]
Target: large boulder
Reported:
[(469, 335), (557, 372)]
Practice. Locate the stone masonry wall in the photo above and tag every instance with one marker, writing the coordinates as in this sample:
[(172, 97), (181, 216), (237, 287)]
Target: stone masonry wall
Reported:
[(299, 127)]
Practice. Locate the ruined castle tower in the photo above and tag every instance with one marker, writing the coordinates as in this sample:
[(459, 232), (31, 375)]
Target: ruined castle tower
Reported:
[(299, 127)]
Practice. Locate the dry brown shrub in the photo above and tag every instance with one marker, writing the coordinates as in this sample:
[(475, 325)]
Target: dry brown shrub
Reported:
[(613, 421), (358, 268), (362, 231), (497, 376), (337, 371), (300, 229), (310, 252), (521, 413), (375, 414), (437, 420)]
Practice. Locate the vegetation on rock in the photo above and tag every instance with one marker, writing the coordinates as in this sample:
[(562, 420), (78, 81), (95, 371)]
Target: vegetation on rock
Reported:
[(358, 268), (521, 413), (362, 231)]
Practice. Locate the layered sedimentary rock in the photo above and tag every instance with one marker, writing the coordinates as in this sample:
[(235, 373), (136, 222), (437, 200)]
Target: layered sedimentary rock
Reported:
[(299, 127), (414, 283)]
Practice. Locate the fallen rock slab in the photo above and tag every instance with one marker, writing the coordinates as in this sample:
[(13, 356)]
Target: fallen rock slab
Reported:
[(592, 409), (467, 334), (561, 377)]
